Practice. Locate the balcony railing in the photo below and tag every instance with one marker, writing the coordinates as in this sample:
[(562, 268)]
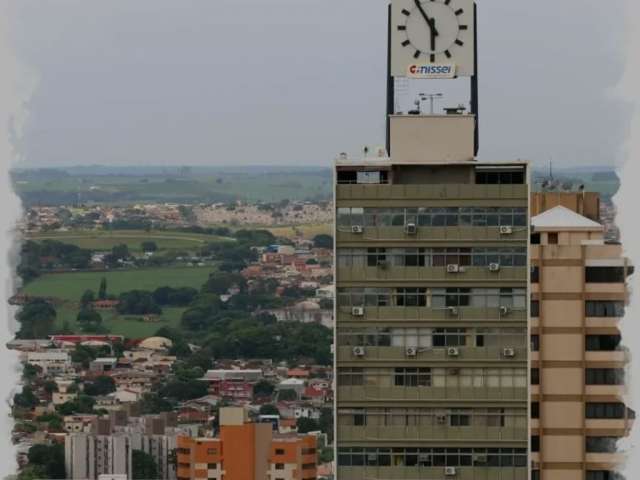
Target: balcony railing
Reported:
[(430, 433), (391, 394), (421, 314), (431, 274)]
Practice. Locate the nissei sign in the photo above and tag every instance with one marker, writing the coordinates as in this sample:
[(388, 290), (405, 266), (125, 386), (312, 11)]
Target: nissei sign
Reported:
[(431, 71)]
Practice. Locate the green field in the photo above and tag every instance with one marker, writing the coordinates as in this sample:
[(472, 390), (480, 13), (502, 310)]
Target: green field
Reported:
[(70, 286), (307, 231), (103, 240), (127, 326)]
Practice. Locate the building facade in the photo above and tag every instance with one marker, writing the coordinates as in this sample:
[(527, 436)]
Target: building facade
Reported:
[(87, 456), (246, 451), (431, 338), (579, 293)]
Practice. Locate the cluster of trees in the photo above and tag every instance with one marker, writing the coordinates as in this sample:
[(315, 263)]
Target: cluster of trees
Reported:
[(45, 461), (37, 319), (47, 254)]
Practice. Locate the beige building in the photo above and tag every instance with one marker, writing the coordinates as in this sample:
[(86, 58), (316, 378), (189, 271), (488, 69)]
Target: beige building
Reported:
[(578, 298)]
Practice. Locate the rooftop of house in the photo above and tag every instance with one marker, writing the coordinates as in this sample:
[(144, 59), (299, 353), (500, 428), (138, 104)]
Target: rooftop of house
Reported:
[(562, 218)]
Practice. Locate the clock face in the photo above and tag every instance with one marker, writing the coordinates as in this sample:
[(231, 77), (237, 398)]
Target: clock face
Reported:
[(433, 32), (433, 29)]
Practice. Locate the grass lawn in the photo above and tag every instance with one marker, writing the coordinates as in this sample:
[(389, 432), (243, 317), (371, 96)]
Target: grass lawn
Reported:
[(307, 231), (103, 240), (71, 286), (127, 326)]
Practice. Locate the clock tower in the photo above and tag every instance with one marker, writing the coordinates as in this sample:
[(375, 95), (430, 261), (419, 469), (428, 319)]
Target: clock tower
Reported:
[(429, 40)]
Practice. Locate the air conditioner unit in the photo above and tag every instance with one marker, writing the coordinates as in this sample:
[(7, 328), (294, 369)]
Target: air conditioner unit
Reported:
[(453, 268), (494, 267), (479, 458), (509, 352), (411, 351), (357, 229), (358, 351), (382, 264), (504, 310), (411, 229), (506, 230), (453, 352), (357, 311), (441, 419), (372, 457), (453, 311), (450, 471)]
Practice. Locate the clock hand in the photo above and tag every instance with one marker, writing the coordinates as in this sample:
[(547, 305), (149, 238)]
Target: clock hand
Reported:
[(430, 22), (433, 35)]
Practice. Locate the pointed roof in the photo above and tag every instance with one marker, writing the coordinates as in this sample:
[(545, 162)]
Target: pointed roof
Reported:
[(562, 218)]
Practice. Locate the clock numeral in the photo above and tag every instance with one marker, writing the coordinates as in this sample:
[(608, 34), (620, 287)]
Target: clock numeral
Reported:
[(433, 57), (406, 43), (406, 12), (447, 53), (460, 11), (417, 54), (463, 27), (459, 42), (402, 27)]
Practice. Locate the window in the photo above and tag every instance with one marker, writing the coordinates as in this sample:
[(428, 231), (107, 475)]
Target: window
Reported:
[(602, 343), (605, 410), (535, 376), (535, 274), (601, 444), (212, 451), (604, 308), (535, 239), (604, 376), (449, 337), (412, 377), (552, 238), (359, 418), (279, 466), (351, 377), (411, 297), (279, 451), (507, 177), (460, 418), (535, 410), (212, 466), (535, 443), (376, 256), (604, 274), (535, 343), (535, 474), (603, 475), (535, 308)]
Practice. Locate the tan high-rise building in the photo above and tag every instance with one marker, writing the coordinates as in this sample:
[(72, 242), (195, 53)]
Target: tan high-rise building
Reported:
[(578, 298)]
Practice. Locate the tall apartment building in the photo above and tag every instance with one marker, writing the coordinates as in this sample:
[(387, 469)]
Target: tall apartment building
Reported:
[(88, 456), (431, 342), (578, 298), (246, 451)]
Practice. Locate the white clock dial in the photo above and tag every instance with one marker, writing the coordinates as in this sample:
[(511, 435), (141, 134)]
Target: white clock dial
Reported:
[(433, 28)]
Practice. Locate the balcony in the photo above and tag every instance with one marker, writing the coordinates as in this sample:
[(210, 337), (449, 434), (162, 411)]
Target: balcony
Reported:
[(386, 195), (425, 314), (386, 354), (430, 433), (422, 473), (372, 235), (431, 274), (407, 394)]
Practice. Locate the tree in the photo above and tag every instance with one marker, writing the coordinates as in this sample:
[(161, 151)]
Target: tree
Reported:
[(102, 291), (89, 318), (323, 241), (306, 425), (184, 390), (120, 252), (269, 409), (50, 458), (326, 423), (137, 302), (88, 297), (220, 283), (26, 398), (263, 389), (37, 319), (101, 385), (153, 403), (30, 372), (143, 466), (149, 246), (82, 404)]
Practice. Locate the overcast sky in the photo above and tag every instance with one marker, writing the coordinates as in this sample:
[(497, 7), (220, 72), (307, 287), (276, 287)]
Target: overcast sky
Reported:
[(296, 81)]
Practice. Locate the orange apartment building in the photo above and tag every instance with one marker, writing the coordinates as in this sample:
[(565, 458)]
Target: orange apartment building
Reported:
[(246, 451), (579, 291)]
